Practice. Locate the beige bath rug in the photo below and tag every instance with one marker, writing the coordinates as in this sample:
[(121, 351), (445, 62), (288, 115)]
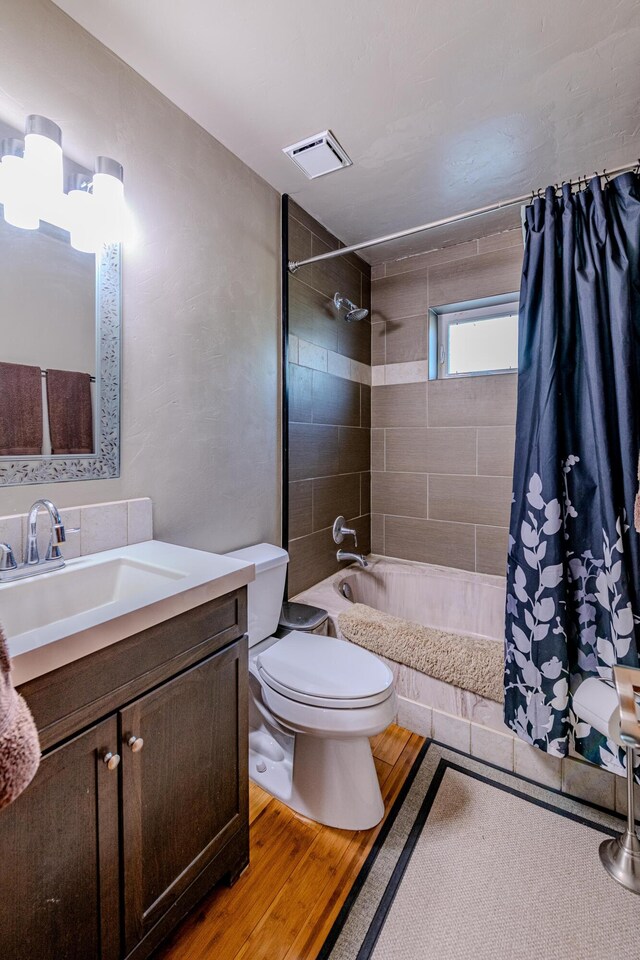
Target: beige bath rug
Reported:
[(472, 663), (474, 863)]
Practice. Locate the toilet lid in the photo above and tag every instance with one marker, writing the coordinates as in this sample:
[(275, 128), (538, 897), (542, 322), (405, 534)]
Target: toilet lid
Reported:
[(312, 668)]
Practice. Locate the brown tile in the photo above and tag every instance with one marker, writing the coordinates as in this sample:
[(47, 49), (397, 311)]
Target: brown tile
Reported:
[(335, 400), (355, 449), (400, 296), (312, 315), (400, 494), (407, 339), (430, 541), (500, 241), (486, 275), (311, 559), (354, 339), (399, 405), (296, 211), (299, 382), (425, 450), (457, 251), (496, 447), (484, 500), (378, 333), (299, 247), (377, 534), (362, 526), (491, 550), (377, 449), (300, 504), (313, 451), (329, 276), (365, 287), (365, 405), (473, 401), (365, 493), (334, 497)]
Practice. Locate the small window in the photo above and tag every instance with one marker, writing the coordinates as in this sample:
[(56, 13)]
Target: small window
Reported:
[(477, 340)]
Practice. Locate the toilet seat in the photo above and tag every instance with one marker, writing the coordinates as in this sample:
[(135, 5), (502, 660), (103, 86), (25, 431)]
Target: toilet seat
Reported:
[(324, 672)]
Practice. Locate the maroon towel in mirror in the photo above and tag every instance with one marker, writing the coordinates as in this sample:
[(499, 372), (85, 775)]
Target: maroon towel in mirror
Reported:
[(20, 410), (70, 413)]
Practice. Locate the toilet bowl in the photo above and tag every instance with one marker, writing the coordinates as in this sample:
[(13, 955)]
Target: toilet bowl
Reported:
[(314, 703)]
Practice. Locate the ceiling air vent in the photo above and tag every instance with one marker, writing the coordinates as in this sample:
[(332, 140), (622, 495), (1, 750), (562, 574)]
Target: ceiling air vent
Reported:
[(318, 155)]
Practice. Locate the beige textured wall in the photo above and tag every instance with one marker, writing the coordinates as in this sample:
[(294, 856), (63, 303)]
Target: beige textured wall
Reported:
[(441, 450), (201, 327)]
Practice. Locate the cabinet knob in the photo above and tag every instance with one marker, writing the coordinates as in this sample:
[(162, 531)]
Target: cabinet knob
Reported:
[(111, 759), (135, 744)]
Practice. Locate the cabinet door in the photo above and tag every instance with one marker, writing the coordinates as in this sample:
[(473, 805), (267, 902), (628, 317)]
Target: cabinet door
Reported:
[(59, 856), (185, 790)]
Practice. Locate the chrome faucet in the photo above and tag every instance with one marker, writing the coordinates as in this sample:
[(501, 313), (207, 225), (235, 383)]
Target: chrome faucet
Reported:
[(340, 531), (34, 564), (352, 558)]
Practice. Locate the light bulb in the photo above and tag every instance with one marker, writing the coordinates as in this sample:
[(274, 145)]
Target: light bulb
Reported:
[(43, 158), (82, 221), (108, 193), (20, 209)]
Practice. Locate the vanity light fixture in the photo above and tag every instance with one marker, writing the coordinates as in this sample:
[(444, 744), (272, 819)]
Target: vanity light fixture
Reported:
[(19, 204), (32, 189)]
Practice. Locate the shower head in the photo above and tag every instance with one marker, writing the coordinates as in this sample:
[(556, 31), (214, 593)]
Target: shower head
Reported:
[(353, 313)]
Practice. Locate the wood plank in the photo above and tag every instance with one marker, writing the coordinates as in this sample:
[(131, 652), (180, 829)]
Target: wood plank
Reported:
[(226, 919), (259, 800), (284, 905), (314, 876), (389, 744), (323, 913)]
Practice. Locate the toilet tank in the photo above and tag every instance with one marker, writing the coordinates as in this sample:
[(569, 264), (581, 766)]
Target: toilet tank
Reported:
[(266, 593)]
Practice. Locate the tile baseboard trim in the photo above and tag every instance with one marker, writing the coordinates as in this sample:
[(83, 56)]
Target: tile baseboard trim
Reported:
[(413, 371), (307, 354), (574, 777)]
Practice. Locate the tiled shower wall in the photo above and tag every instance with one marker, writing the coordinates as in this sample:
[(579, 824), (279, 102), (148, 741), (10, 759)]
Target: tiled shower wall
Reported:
[(441, 450), (329, 379)]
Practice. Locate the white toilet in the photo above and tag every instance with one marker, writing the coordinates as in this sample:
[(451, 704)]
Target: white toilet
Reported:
[(314, 703)]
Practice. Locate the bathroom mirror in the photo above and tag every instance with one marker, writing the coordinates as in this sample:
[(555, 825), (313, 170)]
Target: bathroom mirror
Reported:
[(59, 329)]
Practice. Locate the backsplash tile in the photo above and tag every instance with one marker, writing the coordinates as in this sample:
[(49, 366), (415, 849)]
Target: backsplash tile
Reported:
[(90, 528), (139, 520), (103, 526)]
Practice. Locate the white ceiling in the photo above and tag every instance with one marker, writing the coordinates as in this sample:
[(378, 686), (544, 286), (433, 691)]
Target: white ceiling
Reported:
[(442, 106)]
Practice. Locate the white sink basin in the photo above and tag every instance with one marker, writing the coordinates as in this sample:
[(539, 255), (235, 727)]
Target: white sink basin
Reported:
[(54, 618), (32, 604)]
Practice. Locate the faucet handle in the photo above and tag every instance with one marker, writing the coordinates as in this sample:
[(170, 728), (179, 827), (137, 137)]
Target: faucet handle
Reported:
[(340, 531), (7, 559)]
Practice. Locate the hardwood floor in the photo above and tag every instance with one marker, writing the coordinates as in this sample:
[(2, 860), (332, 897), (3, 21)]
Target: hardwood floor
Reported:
[(284, 904)]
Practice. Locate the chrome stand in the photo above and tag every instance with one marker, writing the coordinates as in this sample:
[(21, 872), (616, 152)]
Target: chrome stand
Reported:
[(620, 856)]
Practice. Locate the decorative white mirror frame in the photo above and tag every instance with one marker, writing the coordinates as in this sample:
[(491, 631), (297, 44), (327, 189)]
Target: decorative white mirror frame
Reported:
[(105, 462)]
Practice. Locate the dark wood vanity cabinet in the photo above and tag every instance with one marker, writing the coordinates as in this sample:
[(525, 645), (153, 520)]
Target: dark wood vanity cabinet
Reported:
[(100, 859)]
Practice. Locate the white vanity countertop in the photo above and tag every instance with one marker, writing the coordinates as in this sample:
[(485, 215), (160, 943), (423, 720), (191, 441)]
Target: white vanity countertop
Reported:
[(93, 601)]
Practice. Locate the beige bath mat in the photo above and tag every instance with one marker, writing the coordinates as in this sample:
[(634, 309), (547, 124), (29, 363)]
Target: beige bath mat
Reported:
[(472, 663), (474, 863)]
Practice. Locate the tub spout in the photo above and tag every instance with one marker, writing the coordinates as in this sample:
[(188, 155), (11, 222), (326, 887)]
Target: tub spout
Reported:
[(358, 558)]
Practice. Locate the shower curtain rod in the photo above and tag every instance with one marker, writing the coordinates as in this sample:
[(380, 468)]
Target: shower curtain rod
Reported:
[(295, 265)]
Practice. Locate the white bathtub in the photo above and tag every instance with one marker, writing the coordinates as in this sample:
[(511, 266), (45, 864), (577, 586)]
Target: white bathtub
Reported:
[(470, 603)]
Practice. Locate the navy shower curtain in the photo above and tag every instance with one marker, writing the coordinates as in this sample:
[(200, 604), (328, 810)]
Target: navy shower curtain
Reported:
[(573, 574)]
